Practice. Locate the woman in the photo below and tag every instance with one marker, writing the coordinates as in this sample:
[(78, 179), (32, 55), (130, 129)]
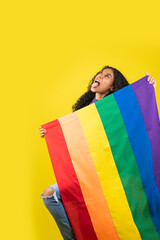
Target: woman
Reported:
[(105, 82)]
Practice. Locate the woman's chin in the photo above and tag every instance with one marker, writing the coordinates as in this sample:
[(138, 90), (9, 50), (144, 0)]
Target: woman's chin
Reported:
[(93, 89)]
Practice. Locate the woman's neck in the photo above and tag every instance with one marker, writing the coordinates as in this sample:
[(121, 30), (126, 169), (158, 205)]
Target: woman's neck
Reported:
[(99, 96)]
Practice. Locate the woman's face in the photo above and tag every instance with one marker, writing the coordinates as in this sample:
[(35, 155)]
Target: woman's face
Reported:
[(103, 81)]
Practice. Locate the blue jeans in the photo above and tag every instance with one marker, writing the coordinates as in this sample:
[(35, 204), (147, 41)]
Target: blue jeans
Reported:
[(55, 206)]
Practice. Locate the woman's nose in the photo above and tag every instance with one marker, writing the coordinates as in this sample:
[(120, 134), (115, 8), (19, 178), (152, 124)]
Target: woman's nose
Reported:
[(100, 76)]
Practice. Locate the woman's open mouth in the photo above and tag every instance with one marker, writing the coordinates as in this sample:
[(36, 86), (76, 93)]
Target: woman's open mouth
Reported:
[(95, 84)]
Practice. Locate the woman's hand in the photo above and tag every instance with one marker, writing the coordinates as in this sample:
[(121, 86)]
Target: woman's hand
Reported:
[(42, 131), (151, 80)]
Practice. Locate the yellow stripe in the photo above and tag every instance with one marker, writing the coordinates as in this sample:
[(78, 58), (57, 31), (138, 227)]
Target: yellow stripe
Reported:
[(108, 174), (88, 178)]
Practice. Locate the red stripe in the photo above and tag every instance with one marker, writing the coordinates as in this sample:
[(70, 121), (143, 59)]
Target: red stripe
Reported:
[(68, 183)]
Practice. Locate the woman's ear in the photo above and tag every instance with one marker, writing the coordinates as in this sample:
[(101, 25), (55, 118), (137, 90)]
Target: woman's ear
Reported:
[(111, 88)]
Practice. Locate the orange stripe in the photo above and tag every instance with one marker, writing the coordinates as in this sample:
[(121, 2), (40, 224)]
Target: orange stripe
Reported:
[(88, 177)]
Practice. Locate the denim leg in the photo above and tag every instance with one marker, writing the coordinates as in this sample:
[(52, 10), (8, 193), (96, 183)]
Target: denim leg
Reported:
[(55, 206)]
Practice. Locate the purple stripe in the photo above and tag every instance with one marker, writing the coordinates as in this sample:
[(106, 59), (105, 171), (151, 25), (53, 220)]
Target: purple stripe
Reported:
[(94, 100), (151, 119)]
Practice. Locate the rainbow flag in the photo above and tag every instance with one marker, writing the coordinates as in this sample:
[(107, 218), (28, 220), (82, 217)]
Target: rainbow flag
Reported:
[(106, 159)]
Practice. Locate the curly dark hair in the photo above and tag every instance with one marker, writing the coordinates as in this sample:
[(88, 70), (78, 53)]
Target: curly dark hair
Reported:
[(119, 82)]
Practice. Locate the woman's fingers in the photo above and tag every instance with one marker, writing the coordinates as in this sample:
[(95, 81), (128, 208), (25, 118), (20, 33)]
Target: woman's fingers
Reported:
[(154, 83), (151, 80), (42, 131)]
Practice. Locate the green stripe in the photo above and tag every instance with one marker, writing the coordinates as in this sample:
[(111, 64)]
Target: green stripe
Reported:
[(127, 167)]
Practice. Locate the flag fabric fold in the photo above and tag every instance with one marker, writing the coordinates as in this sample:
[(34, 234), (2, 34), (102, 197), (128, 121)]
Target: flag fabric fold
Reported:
[(106, 159)]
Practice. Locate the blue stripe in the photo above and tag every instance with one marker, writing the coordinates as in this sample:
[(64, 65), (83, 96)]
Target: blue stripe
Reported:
[(141, 147)]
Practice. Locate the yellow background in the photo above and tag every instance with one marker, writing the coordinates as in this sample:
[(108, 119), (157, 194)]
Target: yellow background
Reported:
[(49, 52)]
